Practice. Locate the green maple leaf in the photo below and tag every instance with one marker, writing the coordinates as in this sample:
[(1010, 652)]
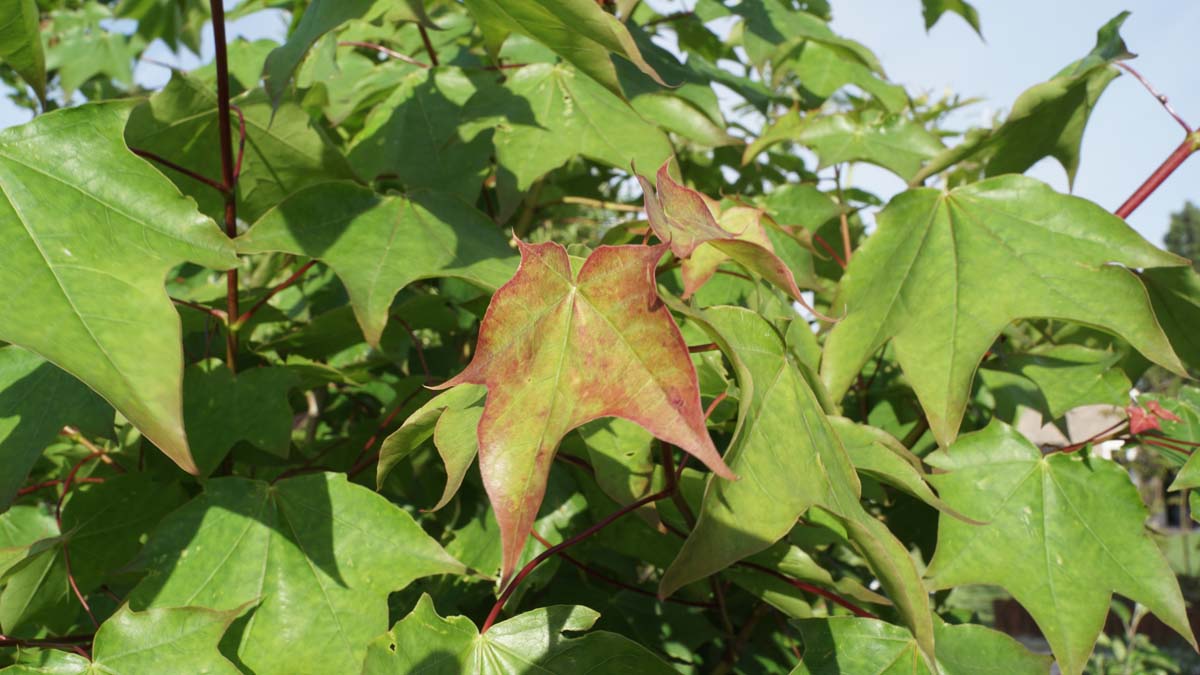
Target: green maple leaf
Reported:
[(320, 17), (529, 642), (782, 482), (1063, 533), (143, 643), (545, 114), (1175, 294), (221, 409), (319, 553), (378, 245), (85, 259), (558, 349), (945, 272), (854, 645), (21, 43), (933, 10), (284, 152), (1046, 120), (580, 31), (414, 135)]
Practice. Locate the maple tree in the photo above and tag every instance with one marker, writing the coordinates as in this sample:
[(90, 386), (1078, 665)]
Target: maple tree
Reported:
[(493, 337)]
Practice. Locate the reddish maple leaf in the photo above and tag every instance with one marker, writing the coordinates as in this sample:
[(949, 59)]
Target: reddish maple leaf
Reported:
[(687, 221), (557, 350), (1161, 412), (1141, 420)]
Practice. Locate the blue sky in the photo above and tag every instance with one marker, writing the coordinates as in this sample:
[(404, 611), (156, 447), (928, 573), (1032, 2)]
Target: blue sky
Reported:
[(1027, 41)]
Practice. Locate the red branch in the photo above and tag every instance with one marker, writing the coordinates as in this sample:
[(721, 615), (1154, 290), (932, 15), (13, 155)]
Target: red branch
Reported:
[(829, 249), (228, 171), (217, 313), (1181, 153)]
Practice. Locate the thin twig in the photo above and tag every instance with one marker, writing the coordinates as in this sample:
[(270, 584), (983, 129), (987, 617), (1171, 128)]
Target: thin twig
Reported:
[(601, 204), (228, 176), (63, 642), (241, 321), (845, 220), (417, 347), (241, 153), (829, 249), (364, 459), (392, 53), (146, 154), (433, 57), (211, 311), (1160, 97), (77, 436)]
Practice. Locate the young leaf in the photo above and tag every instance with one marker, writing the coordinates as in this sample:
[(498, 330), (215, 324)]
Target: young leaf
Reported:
[(1063, 533), (320, 17), (221, 409), (378, 245), (557, 350), (319, 553), (21, 43), (577, 30), (140, 643), (284, 152), (85, 258), (944, 273), (685, 219), (529, 642), (37, 400)]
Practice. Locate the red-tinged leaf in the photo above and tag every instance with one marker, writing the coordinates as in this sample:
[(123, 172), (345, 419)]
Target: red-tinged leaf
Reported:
[(1141, 420), (688, 222), (1162, 413), (557, 350)]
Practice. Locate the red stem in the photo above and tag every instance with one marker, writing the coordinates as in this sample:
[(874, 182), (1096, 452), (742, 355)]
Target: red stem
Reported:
[(146, 154), (228, 172), (809, 588), (417, 347), (829, 249), (567, 543), (364, 460), (241, 153), (217, 313), (241, 321), (1099, 435), (616, 582), (52, 483), (1162, 98), (1181, 153), (384, 50), (57, 642)]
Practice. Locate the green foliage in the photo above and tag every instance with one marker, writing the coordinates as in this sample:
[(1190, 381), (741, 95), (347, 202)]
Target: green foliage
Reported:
[(512, 314)]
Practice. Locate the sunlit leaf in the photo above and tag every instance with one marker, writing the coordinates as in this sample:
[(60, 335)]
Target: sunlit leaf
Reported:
[(85, 260)]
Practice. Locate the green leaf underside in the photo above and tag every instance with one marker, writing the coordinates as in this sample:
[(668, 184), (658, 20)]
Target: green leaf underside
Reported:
[(85, 258), (144, 643), (580, 31), (1063, 534), (319, 554), (1066, 377), (558, 350), (946, 272), (1175, 294), (378, 245), (530, 642), (933, 10), (36, 400)]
